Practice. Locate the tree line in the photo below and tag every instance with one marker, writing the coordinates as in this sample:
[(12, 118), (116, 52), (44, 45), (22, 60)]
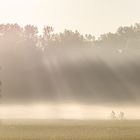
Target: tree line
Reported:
[(124, 37), (13, 33)]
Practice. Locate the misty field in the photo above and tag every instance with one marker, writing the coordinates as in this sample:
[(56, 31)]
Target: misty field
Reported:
[(69, 130)]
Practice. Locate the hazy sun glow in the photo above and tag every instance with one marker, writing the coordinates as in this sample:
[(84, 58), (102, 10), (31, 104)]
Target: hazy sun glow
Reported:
[(92, 16)]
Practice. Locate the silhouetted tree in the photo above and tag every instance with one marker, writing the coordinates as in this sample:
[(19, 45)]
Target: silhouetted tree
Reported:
[(89, 38), (113, 115), (47, 35), (30, 31)]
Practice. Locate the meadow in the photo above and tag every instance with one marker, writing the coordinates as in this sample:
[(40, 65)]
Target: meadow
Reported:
[(69, 130)]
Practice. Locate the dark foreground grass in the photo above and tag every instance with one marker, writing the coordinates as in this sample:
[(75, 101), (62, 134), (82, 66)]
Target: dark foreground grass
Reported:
[(69, 130)]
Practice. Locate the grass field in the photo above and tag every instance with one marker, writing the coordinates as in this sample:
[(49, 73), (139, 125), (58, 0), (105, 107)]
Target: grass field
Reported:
[(69, 130)]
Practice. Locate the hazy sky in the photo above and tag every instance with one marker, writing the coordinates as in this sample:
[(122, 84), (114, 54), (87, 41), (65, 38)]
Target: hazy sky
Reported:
[(88, 16)]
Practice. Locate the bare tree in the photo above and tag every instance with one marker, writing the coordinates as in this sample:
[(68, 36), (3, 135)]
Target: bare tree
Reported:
[(121, 115), (113, 115)]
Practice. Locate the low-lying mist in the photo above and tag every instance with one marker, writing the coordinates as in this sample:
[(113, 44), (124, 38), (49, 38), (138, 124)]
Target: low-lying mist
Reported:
[(66, 111)]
